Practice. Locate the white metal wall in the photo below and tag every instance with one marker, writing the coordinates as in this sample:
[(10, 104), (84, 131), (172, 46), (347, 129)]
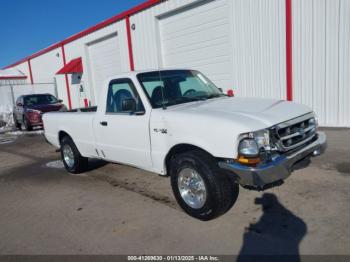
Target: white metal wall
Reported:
[(259, 54), (44, 67), (23, 67), (196, 37), (80, 48), (145, 37), (104, 57), (321, 60), (255, 36)]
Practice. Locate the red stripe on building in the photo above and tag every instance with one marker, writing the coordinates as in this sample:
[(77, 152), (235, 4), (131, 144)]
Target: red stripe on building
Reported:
[(30, 72), (289, 49), (66, 78), (128, 32), (13, 77)]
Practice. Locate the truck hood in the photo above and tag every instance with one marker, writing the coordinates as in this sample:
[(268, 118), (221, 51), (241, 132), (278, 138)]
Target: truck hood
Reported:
[(251, 112), (216, 124)]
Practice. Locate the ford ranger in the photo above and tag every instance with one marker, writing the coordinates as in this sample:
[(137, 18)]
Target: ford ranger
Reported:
[(177, 123)]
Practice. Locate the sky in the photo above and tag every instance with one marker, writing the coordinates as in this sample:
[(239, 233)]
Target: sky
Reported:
[(27, 26)]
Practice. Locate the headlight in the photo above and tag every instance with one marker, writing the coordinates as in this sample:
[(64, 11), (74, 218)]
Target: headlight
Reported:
[(314, 121), (262, 138), (248, 147), (251, 143)]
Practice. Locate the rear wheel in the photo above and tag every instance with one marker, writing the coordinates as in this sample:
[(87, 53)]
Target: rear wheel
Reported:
[(73, 161), (200, 187)]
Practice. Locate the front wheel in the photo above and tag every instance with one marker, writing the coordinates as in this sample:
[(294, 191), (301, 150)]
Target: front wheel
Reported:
[(200, 187), (73, 161), (25, 125), (17, 125)]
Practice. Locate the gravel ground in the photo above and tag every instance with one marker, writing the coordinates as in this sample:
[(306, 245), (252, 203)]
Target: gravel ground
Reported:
[(114, 209)]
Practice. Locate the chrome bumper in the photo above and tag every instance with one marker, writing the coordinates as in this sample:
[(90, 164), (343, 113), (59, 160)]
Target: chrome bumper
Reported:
[(278, 169)]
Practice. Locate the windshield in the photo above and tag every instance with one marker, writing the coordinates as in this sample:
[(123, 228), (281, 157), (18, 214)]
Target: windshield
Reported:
[(35, 100), (173, 87)]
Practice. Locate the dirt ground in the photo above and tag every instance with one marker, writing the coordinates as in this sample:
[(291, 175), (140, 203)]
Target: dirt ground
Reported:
[(113, 209)]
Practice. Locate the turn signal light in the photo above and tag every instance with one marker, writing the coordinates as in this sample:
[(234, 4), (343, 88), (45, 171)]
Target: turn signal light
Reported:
[(248, 161)]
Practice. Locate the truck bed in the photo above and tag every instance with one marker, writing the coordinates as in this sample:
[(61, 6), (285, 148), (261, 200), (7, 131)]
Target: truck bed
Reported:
[(77, 123), (84, 109)]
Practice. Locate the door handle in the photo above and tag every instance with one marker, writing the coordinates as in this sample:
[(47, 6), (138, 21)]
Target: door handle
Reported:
[(104, 123)]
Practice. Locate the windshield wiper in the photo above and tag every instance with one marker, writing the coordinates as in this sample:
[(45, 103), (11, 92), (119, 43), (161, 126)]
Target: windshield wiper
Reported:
[(190, 99), (215, 96), (185, 99)]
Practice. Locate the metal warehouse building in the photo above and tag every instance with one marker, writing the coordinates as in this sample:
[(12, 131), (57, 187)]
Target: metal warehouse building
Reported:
[(286, 49)]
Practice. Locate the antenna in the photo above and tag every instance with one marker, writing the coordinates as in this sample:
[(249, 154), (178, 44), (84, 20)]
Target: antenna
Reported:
[(162, 90)]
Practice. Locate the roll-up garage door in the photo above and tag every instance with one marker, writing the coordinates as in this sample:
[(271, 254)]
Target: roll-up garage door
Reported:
[(197, 37), (105, 61)]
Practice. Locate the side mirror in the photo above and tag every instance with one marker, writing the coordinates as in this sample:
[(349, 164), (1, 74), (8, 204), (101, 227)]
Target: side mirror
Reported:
[(129, 105), (60, 101), (19, 104), (230, 93)]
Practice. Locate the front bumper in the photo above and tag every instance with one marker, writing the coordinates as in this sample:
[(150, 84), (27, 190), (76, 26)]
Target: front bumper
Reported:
[(278, 169), (34, 119)]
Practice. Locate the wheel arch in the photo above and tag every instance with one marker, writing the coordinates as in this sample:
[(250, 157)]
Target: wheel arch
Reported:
[(62, 134), (178, 149)]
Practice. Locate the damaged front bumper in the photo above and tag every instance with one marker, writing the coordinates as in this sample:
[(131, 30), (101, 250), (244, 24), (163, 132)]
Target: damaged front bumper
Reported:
[(278, 169)]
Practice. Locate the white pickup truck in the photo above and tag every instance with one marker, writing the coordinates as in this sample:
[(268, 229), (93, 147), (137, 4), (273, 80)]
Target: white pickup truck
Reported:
[(178, 123)]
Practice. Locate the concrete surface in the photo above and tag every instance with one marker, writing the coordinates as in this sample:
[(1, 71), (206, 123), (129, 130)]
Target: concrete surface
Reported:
[(113, 209)]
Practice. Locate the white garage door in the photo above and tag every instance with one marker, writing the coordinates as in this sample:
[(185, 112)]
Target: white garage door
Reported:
[(198, 38), (105, 61)]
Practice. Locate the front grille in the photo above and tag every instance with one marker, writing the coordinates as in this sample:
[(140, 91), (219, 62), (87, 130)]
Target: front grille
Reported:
[(294, 133)]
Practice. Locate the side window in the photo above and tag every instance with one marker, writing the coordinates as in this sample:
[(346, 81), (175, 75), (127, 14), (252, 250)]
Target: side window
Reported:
[(121, 94)]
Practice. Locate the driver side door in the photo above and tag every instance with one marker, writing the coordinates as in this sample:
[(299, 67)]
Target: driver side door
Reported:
[(122, 135)]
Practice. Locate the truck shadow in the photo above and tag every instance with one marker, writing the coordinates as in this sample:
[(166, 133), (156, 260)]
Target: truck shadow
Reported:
[(276, 235), (95, 164)]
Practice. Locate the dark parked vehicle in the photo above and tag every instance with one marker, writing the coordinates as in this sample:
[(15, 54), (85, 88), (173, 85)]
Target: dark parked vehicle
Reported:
[(29, 109)]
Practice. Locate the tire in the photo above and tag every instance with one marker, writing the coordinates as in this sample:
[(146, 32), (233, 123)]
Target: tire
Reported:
[(25, 125), (17, 125), (73, 161), (220, 191)]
